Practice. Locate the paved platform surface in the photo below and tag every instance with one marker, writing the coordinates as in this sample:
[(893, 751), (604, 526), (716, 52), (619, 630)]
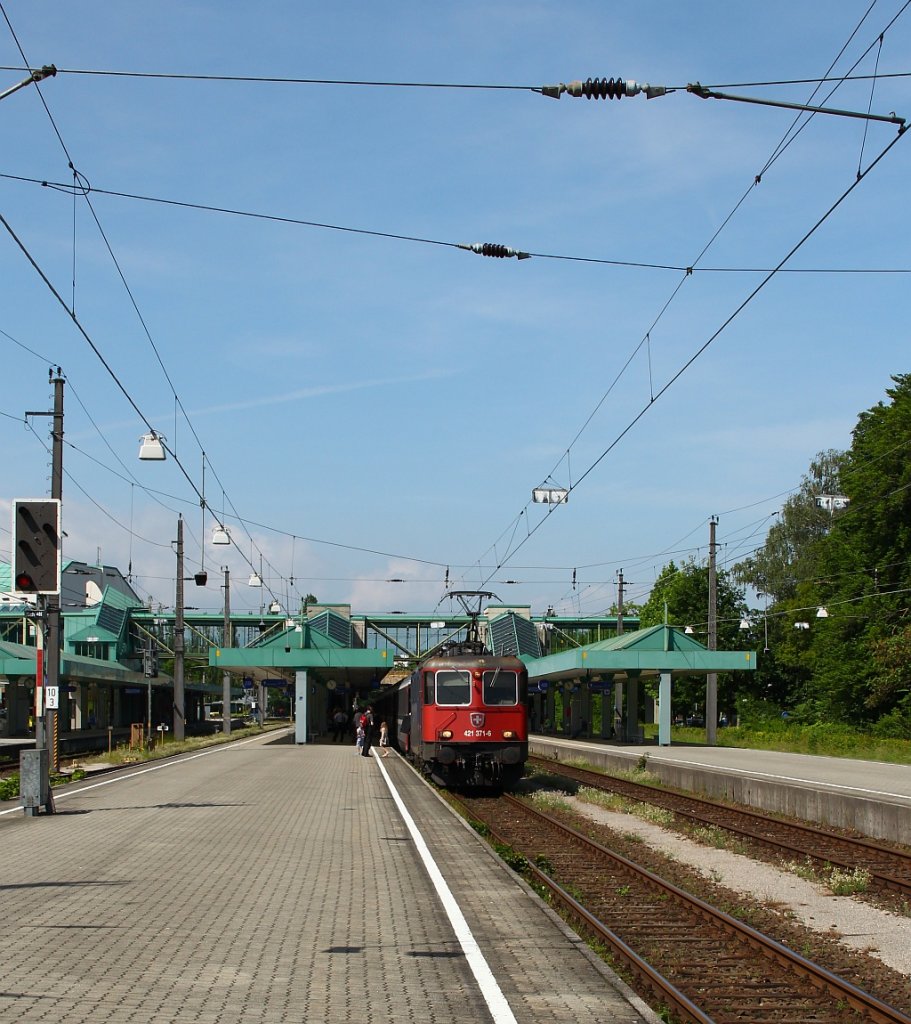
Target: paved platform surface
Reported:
[(871, 796), (268, 882), (888, 782)]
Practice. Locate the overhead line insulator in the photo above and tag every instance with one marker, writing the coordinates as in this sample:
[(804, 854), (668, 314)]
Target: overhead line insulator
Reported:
[(599, 89), (603, 89), (498, 251)]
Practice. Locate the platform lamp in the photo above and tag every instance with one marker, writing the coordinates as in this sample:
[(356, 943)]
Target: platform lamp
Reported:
[(152, 449)]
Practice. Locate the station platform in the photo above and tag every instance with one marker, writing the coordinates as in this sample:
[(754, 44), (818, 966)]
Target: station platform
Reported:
[(872, 797), (264, 882)]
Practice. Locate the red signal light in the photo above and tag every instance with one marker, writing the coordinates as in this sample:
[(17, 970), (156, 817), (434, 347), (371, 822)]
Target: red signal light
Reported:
[(24, 583)]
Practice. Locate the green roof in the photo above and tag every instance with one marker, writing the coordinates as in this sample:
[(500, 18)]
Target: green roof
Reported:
[(642, 652)]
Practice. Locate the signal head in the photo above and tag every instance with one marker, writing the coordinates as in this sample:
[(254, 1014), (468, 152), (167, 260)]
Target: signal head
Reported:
[(24, 583)]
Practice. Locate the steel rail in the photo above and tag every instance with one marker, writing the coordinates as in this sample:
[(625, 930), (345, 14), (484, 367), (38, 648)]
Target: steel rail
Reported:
[(872, 1008), (663, 798)]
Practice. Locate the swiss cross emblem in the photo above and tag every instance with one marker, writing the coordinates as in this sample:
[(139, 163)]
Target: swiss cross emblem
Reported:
[(477, 719)]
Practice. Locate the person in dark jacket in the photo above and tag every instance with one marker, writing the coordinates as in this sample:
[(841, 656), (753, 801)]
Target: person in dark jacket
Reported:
[(369, 733)]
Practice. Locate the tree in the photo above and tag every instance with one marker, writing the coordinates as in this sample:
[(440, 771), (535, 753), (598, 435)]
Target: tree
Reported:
[(854, 565), (684, 592), (789, 554)]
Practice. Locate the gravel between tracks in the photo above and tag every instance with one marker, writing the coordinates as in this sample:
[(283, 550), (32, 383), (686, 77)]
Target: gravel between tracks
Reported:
[(881, 934)]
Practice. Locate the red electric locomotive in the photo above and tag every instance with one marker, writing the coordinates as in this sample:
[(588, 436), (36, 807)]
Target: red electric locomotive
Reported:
[(462, 717)]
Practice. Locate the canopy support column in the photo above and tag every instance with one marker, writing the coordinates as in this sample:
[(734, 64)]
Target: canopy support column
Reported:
[(664, 710), (301, 717)]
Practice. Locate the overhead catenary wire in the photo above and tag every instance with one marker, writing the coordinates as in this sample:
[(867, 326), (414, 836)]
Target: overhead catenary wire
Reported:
[(709, 341), (678, 268), (652, 397), (398, 84), (82, 185), (785, 270)]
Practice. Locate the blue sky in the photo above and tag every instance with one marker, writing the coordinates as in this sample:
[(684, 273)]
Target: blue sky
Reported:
[(356, 392)]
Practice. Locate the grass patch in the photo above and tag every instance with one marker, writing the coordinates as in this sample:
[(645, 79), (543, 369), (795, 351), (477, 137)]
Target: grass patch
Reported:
[(804, 869), (517, 861), (638, 774), (623, 805), (825, 738), (168, 748), (599, 798), (9, 787), (839, 881), (711, 836), (550, 800), (847, 883)]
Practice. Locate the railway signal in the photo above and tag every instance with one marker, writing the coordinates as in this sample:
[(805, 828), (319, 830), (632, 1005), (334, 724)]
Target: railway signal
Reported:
[(36, 546)]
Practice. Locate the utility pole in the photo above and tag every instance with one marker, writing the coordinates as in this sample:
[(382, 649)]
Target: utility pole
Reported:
[(617, 710), (178, 640), (227, 641), (53, 640), (711, 679), (620, 603)]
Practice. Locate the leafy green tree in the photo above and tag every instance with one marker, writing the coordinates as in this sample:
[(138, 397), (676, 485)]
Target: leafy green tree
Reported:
[(865, 565), (684, 591), (850, 663), (789, 554)]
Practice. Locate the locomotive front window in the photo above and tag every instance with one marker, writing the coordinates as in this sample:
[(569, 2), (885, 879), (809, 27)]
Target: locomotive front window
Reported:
[(453, 688), (501, 688)]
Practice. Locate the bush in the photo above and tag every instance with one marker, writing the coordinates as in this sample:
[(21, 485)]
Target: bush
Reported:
[(896, 725), (9, 787)]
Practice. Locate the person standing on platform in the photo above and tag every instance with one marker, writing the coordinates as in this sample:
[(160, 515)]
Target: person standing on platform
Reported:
[(339, 725), (368, 727), (384, 738)]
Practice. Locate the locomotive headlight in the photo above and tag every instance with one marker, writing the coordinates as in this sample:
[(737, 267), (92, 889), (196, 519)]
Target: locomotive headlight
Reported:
[(446, 734), (509, 734)]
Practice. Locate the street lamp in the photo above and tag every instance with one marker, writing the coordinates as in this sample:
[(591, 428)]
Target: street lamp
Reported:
[(151, 449), (550, 495)]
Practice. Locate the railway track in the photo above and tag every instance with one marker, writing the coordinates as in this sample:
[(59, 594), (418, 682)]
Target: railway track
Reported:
[(702, 964), (889, 868)]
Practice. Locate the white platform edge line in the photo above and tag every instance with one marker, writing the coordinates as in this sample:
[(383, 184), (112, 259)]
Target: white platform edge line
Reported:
[(493, 994)]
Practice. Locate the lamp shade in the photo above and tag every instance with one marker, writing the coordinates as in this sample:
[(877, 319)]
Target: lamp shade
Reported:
[(274, 608), (221, 535), (151, 449), (822, 612), (255, 580), (550, 495)]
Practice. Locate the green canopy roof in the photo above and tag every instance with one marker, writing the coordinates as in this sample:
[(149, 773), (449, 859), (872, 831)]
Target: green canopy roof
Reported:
[(643, 652)]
